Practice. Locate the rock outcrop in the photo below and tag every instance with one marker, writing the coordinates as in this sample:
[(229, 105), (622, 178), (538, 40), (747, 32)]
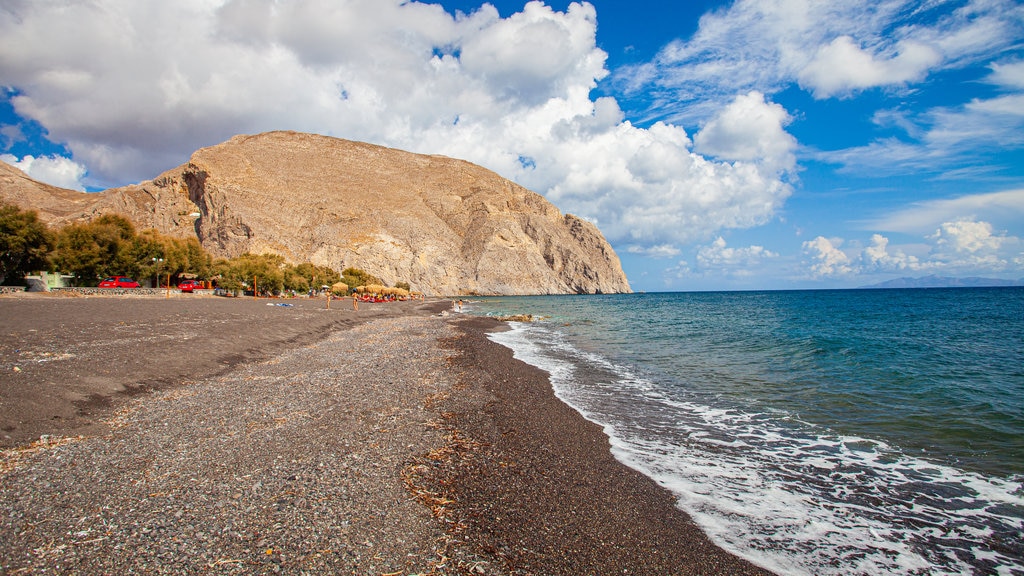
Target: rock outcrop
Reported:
[(445, 226)]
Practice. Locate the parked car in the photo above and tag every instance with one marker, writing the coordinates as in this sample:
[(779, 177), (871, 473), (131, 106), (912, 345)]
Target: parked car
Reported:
[(190, 285), (119, 282)]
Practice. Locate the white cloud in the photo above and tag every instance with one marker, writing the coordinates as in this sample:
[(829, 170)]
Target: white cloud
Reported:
[(877, 257), (969, 243), (829, 47), (679, 271), (842, 66), (719, 254), (980, 127), (1008, 74), (718, 258), (1005, 207), (132, 87), (530, 54), (659, 251), (749, 129), (966, 236), (648, 187), (961, 247), (53, 170), (827, 260)]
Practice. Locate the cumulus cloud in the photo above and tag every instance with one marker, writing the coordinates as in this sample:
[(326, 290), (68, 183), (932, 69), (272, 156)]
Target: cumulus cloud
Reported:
[(531, 55), (966, 236), (650, 187), (54, 170), (877, 257), (842, 66), (973, 244), (749, 129), (826, 257), (719, 258), (963, 246), (131, 87)]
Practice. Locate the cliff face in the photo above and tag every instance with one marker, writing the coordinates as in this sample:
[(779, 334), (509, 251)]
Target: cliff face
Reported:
[(445, 226)]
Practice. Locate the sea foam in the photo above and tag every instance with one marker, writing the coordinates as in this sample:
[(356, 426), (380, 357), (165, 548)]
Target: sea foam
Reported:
[(788, 495)]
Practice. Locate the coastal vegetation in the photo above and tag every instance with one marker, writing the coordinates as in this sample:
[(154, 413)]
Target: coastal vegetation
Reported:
[(110, 245), (25, 242)]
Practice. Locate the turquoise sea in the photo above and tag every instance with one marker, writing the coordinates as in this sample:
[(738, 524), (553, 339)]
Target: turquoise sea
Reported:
[(812, 432)]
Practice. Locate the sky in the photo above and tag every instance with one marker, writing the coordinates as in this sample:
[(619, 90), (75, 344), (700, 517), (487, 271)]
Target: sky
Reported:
[(718, 145)]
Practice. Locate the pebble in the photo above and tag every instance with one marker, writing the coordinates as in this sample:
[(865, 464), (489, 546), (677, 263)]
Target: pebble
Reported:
[(251, 471)]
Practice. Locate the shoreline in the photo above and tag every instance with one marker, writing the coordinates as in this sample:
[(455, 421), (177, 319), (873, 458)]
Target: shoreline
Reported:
[(537, 488), (389, 440)]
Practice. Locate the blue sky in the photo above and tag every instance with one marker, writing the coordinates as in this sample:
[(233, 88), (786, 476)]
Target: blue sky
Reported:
[(756, 144)]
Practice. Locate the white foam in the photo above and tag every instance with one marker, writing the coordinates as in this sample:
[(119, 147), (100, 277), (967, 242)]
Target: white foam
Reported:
[(788, 496)]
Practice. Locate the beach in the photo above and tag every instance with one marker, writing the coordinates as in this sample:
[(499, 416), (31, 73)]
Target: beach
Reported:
[(213, 435)]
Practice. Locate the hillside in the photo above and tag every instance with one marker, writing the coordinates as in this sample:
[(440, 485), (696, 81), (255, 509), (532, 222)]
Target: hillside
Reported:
[(446, 226)]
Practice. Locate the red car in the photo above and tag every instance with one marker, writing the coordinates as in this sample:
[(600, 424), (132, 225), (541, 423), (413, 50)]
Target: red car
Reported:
[(119, 282), (190, 285)]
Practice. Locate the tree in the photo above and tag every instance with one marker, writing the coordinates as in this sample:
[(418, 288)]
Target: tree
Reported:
[(304, 276), (97, 249), (266, 269), (109, 246), (25, 242), (355, 278), (165, 255), (225, 276), (149, 250)]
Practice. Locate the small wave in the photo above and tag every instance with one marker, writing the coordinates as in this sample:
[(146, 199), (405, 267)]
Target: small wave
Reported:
[(787, 495)]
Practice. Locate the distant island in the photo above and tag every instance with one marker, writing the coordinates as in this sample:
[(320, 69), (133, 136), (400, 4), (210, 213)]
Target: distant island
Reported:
[(946, 282)]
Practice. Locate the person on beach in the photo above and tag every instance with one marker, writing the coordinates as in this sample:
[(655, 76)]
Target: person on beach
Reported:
[(355, 302)]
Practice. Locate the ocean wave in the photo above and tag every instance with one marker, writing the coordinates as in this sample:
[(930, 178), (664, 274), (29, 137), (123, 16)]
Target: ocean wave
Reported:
[(788, 495)]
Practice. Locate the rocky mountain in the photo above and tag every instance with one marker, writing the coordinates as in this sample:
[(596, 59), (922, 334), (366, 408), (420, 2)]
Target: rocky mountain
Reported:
[(443, 225)]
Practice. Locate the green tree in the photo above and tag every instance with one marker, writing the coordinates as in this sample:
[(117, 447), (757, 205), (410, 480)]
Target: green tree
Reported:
[(304, 276), (266, 269), (355, 278), (25, 242), (97, 249), (149, 251), (225, 276), (164, 255)]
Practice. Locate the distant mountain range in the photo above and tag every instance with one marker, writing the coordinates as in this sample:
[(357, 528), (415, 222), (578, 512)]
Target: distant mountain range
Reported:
[(946, 282)]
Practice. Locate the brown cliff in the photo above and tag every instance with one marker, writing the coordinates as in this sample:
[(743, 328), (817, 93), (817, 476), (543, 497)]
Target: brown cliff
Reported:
[(445, 226)]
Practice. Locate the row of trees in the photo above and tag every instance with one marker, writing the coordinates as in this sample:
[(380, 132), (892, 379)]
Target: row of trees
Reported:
[(110, 246)]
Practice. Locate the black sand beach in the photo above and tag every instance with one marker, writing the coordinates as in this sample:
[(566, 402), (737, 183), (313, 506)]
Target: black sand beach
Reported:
[(210, 435)]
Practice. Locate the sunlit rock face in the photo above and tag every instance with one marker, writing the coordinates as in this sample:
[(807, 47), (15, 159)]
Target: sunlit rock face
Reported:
[(445, 226)]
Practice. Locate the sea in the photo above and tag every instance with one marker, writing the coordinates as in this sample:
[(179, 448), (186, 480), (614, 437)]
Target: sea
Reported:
[(811, 432)]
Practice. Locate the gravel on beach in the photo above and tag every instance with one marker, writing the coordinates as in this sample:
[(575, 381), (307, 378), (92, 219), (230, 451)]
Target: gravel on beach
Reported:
[(395, 439)]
